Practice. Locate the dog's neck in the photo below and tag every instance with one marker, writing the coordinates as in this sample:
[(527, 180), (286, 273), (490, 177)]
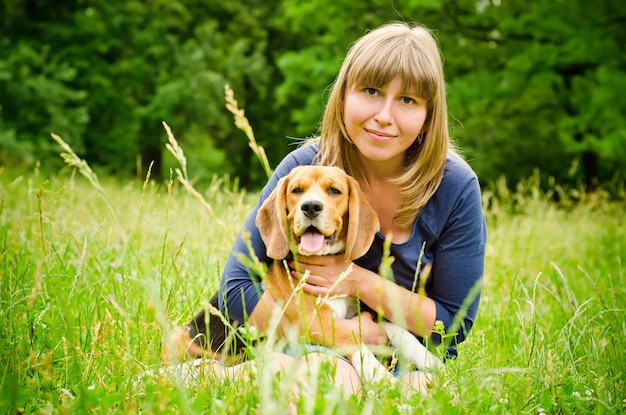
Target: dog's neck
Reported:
[(342, 306)]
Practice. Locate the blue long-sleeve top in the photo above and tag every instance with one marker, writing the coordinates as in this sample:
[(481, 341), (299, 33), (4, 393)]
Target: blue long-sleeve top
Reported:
[(449, 233)]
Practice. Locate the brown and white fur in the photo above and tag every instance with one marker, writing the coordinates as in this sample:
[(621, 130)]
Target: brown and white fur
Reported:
[(316, 210)]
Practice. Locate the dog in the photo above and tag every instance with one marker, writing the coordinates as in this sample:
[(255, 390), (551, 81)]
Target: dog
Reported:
[(314, 210)]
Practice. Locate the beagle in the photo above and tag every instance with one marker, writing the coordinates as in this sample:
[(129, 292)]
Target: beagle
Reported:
[(314, 210)]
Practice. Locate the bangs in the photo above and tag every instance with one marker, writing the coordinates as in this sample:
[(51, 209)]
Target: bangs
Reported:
[(395, 57)]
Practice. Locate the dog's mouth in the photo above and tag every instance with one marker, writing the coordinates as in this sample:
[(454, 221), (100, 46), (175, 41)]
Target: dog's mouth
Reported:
[(312, 240)]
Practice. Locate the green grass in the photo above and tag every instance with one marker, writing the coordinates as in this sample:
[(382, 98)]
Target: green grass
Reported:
[(88, 288)]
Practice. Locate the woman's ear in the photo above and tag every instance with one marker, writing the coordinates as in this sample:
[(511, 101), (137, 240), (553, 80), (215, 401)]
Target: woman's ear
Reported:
[(420, 137)]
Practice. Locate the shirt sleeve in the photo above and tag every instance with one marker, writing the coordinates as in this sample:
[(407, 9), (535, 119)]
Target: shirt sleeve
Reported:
[(240, 288), (458, 263)]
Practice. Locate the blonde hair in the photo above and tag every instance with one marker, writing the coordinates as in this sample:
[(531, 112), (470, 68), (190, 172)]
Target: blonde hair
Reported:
[(392, 50)]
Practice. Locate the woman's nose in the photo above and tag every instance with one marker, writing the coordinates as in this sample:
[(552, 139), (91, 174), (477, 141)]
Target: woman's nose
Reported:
[(384, 115)]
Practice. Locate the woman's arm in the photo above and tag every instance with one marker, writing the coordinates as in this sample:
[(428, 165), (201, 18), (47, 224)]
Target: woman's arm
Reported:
[(455, 244), (240, 286), (362, 326), (397, 304)]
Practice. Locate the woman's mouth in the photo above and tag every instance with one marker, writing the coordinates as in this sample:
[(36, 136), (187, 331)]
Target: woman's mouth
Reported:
[(379, 135)]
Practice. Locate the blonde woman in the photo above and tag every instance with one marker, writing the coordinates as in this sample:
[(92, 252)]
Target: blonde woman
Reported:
[(386, 125)]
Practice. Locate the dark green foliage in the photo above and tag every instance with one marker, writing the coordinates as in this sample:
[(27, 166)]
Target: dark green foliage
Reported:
[(536, 85), (530, 85)]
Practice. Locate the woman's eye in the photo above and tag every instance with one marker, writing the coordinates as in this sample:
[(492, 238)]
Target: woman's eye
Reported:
[(370, 91), (334, 191), (408, 100)]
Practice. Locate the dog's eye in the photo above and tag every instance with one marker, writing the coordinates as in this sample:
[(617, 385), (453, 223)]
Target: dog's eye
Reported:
[(296, 190), (333, 191)]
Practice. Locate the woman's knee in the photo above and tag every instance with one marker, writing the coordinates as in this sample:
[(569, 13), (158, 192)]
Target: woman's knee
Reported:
[(348, 376), (278, 362), (344, 375)]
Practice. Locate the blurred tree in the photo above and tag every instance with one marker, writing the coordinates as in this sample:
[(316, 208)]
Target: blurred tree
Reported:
[(36, 91), (105, 74), (169, 61), (535, 85), (530, 84)]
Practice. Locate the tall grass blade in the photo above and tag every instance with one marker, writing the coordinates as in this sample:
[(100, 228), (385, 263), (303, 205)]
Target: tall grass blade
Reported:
[(243, 124)]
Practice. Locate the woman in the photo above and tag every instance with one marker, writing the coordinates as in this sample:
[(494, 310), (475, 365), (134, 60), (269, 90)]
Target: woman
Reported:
[(386, 125)]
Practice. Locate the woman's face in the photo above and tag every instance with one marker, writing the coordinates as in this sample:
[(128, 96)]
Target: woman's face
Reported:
[(383, 122)]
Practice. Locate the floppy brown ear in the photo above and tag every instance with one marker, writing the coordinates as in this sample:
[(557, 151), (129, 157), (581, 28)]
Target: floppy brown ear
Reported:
[(272, 221), (362, 222)]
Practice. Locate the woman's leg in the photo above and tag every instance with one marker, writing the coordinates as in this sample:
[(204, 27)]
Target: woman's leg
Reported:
[(346, 377), (277, 362), (417, 381)]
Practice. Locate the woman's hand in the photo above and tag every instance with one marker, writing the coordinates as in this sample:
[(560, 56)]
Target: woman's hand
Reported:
[(364, 328), (333, 275), (328, 274)]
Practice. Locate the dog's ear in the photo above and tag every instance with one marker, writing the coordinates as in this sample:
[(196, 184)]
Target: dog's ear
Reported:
[(362, 222), (272, 221)]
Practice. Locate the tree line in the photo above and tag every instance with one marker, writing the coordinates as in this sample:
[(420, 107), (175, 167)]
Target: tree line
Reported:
[(531, 85)]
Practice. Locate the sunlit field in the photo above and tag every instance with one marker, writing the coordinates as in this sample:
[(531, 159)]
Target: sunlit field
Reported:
[(94, 276)]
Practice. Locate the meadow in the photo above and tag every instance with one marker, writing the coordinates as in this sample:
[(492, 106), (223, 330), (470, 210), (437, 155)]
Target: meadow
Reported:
[(96, 272)]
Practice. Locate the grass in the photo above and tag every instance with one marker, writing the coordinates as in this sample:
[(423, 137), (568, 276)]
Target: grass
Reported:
[(92, 277)]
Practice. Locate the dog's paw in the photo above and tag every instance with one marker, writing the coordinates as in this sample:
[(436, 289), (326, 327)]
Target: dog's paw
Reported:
[(369, 368), (186, 373), (180, 347)]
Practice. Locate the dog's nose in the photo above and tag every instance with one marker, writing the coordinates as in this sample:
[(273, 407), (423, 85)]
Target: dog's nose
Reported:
[(311, 208)]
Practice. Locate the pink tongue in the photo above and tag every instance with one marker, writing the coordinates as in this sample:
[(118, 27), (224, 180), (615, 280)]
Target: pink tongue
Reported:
[(312, 241)]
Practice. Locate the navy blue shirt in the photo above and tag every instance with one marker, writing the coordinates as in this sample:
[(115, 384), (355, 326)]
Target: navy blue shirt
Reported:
[(449, 233)]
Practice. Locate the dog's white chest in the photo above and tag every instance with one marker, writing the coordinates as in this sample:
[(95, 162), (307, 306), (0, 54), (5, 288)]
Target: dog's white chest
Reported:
[(343, 307)]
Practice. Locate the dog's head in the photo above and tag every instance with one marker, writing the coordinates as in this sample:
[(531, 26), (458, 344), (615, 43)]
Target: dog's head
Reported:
[(322, 210)]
